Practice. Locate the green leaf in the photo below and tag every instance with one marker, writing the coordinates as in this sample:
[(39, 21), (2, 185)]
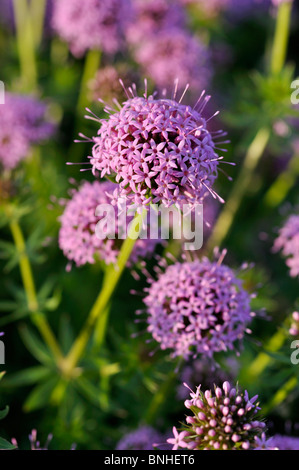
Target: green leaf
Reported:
[(91, 392), (17, 315), (3, 413), (35, 346), (7, 305), (5, 445), (28, 376), (40, 395)]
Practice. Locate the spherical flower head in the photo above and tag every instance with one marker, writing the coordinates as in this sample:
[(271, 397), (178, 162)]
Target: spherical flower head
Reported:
[(222, 419), (158, 150), (144, 438), (92, 24), (22, 124), (197, 307), (77, 236), (174, 53), (154, 16), (288, 242)]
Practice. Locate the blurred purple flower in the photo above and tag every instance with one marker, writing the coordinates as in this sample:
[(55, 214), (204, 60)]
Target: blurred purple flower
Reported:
[(197, 307), (142, 439), (92, 24), (154, 16), (77, 237), (285, 442), (288, 242), (22, 124), (174, 54)]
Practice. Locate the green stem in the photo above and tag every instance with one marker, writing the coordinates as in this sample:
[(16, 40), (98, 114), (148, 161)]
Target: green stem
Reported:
[(37, 14), (100, 328), (240, 188), (92, 64), (281, 394), (281, 36), (25, 44), (99, 308), (37, 317), (283, 184)]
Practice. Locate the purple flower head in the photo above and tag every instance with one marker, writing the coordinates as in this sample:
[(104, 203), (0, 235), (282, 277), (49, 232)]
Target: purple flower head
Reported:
[(77, 237), (174, 54), (22, 124), (288, 242), (144, 438), (154, 16), (223, 419), (92, 24), (285, 442), (158, 150), (197, 307)]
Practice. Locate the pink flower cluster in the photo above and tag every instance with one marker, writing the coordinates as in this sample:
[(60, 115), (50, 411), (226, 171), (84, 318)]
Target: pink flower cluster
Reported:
[(77, 237), (224, 420), (197, 307), (92, 24), (22, 124), (174, 53), (158, 150), (164, 47), (288, 242)]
